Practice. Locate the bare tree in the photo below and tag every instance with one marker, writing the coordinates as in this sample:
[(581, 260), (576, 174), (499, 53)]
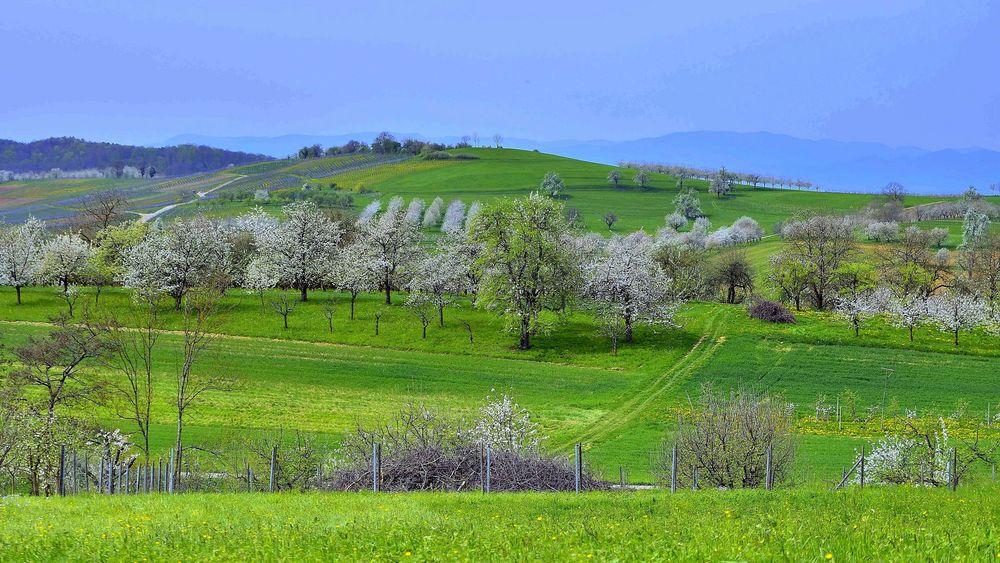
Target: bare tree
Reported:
[(498, 140), (283, 307), (726, 439), (610, 219), (131, 339), (329, 308), (201, 311), (54, 365), (102, 209)]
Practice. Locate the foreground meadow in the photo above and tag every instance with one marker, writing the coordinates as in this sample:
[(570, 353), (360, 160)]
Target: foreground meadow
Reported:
[(890, 524)]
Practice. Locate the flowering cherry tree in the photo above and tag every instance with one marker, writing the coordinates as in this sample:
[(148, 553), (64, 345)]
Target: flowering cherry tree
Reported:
[(908, 311), (954, 312), (858, 306), (627, 286), (355, 272), (65, 259), (175, 259), (21, 254), (303, 248), (454, 217), (390, 244)]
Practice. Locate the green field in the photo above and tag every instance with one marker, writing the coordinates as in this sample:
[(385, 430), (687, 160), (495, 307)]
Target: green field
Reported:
[(494, 173), (799, 525), (619, 407)]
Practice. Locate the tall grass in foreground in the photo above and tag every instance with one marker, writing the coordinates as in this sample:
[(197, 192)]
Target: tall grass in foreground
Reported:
[(889, 524)]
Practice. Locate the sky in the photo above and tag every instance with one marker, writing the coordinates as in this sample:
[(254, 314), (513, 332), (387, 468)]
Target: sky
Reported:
[(897, 72)]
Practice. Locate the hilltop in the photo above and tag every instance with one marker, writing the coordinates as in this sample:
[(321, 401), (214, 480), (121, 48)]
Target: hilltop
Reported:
[(70, 154)]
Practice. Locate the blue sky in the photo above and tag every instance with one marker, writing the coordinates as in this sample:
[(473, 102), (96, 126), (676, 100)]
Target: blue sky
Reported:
[(898, 72)]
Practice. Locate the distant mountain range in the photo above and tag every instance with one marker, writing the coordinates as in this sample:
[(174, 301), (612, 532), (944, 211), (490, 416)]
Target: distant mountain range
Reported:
[(69, 153), (833, 165)]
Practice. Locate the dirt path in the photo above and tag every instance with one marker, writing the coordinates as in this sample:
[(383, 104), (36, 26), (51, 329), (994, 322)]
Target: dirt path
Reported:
[(147, 217), (637, 403)]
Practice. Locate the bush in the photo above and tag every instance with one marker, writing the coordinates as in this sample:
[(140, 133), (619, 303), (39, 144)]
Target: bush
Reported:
[(724, 443), (423, 451), (772, 312), (441, 155)]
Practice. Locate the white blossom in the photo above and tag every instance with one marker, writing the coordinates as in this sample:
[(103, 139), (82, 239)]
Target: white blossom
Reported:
[(369, 211), (454, 217), (433, 214), (954, 312), (64, 260), (21, 253), (415, 211)]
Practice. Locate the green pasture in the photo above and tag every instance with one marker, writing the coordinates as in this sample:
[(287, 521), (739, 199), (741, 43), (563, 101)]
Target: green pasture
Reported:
[(618, 406), (808, 524)]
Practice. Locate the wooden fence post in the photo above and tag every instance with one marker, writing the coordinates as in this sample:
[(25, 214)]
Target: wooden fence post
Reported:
[(769, 470), (489, 468), (376, 467), (862, 474), (954, 469), (62, 471), (482, 468), (673, 469), (578, 472), (274, 460), (171, 468)]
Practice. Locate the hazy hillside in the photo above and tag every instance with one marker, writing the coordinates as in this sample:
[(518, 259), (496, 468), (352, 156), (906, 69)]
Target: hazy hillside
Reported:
[(833, 165), (69, 153)]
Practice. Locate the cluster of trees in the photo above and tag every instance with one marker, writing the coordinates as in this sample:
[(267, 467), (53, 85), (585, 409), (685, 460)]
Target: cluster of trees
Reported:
[(386, 143), (519, 258), (58, 154), (911, 281), (721, 179)]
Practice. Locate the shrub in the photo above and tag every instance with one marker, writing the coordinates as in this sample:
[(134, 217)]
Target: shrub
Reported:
[(423, 451), (772, 312), (724, 443)]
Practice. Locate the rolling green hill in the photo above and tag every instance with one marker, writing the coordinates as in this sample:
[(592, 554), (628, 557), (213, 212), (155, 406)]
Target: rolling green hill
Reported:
[(618, 406)]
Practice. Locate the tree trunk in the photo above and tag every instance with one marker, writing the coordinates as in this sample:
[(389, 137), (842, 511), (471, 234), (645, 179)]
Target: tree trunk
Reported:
[(798, 301), (425, 330), (731, 295), (628, 331), (305, 294), (18, 289), (354, 297), (175, 476), (177, 302), (441, 315), (286, 321), (956, 337), (525, 338), (97, 295), (388, 290), (65, 284)]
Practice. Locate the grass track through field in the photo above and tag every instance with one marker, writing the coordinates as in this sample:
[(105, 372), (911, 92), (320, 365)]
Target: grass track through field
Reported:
[(637, 404)]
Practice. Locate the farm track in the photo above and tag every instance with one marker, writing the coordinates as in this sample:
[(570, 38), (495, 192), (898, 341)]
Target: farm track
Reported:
[(640, 400), (147, 217), (339, 345)]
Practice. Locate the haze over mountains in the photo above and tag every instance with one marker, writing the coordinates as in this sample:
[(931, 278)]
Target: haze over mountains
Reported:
[(833, 165)]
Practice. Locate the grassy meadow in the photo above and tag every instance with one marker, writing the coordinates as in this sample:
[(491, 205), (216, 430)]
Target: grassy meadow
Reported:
[(619, 406), (800, 525)]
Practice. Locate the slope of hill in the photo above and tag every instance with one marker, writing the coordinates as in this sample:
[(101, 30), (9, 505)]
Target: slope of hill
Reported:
[(833, 165), (69, 153)]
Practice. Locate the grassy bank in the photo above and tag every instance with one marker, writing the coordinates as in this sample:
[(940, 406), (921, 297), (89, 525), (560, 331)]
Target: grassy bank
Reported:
[(901, 524)]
